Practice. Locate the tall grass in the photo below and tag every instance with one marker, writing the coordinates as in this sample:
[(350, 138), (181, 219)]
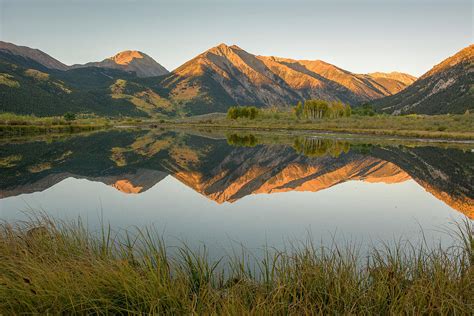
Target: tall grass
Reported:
[(49, 266), (18, 125)]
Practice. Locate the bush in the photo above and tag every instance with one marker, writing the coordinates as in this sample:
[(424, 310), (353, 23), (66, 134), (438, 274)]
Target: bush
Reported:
[(69, 116), (364, 110), (236, 112)]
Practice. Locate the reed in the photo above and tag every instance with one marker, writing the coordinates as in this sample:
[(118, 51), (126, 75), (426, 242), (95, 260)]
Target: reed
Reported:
[(49, 266)]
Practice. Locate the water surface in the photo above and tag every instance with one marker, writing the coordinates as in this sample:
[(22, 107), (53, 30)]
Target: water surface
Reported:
[(255, 189)]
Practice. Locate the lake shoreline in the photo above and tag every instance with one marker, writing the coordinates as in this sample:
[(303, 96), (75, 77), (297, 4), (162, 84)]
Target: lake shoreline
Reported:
[(445, 128), (405, 134), (7, 132)]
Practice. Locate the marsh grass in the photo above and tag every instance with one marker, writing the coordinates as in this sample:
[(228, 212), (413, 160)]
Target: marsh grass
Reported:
[(55, 267), (459, 126), (19, 125)]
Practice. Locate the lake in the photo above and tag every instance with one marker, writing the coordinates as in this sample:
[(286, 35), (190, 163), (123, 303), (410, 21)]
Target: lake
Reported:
[(224, 189)]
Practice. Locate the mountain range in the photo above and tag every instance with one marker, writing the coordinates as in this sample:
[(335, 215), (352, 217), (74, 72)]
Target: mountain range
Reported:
[(132, 83)]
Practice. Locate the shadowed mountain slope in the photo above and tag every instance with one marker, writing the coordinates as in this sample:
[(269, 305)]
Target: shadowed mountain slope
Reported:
[(18, 53), (447, 88)]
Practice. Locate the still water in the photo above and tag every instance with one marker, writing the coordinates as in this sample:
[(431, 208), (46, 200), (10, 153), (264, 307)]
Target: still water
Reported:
[(223, 189)]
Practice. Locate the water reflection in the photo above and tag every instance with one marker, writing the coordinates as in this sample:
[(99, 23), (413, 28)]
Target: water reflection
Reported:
[(228, 167)]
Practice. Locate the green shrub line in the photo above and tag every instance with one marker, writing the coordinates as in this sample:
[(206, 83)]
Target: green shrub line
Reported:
[(51, 266)]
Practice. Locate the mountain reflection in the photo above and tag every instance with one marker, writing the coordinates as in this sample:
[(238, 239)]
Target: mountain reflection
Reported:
[(228, 167)]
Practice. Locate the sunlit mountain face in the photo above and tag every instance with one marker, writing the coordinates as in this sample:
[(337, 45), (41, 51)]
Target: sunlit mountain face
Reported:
[(227, 167)]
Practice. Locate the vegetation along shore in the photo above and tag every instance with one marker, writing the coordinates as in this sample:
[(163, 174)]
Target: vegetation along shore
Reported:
[(317, 115), (19, 125), (49, 266), (449, 127)]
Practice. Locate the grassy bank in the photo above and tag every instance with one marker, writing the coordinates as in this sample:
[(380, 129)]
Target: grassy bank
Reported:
[(449, 127), (20, 125), (49, 267), (459, 127)]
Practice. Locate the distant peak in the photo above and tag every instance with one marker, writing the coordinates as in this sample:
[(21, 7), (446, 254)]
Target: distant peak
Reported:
[(395, 75), (126, 57), (222, 47)]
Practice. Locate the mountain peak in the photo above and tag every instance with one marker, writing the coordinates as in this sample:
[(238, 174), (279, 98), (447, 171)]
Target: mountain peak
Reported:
[(126, 57), (131, 61), (223, 47)]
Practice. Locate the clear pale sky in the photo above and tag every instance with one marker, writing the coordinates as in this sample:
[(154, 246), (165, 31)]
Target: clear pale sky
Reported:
[(360, 36)]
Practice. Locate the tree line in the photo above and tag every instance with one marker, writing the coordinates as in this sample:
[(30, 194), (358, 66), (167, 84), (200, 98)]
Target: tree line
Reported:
[(236, 112), (316, 109)]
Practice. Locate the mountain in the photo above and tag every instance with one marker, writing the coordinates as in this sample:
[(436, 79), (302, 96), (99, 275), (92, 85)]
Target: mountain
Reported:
[(227, 75), (132, 84), (130, 61), (24, 54), (447, 88), (32, 82), (27, 88)]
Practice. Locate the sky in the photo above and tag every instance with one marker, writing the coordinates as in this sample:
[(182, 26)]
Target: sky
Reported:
[(360, 36)]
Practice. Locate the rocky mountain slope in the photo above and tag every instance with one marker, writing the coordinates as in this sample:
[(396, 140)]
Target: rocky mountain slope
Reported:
[(130, 61), (447, 88), (227, 75)]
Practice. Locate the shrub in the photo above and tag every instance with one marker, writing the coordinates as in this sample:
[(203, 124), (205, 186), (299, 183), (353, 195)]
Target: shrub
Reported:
[(236, 112), (364, 110), (69, 116)]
